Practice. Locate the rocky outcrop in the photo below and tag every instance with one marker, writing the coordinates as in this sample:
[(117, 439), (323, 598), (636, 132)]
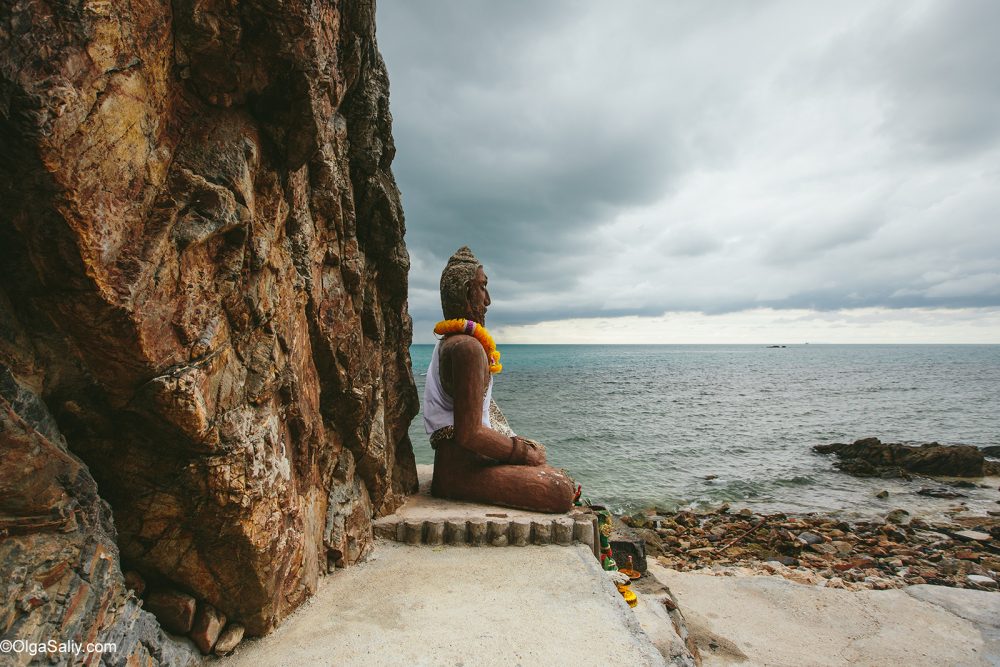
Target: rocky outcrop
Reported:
[(58, 558), (870, 457), (202, 307)]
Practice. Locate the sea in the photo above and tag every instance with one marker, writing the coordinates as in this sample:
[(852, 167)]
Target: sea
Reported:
[(696, 426)]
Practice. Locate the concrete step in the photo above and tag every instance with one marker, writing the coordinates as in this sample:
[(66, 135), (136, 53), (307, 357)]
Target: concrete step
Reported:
[(424, 519), (562, 530)]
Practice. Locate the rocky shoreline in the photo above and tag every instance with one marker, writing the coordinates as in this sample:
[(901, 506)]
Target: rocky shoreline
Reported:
[(894, 551), (825, 550)]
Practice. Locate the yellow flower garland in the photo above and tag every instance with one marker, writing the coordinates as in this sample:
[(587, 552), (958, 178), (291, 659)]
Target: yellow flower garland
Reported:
[(478, 332)]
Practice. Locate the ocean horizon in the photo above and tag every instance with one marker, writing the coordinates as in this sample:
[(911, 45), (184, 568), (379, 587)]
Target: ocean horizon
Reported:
[(697, 425)]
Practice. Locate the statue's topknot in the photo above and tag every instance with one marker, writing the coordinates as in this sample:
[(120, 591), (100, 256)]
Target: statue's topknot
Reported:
[(455, 278)]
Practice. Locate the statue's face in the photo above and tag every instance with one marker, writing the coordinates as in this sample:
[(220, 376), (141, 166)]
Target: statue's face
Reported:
[(478, 297)]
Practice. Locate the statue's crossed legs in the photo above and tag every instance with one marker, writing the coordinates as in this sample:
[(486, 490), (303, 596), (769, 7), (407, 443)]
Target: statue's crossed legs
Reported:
[(463, 475)]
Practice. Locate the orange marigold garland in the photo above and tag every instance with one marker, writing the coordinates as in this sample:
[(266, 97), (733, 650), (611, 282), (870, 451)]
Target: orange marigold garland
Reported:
[(478, 332)]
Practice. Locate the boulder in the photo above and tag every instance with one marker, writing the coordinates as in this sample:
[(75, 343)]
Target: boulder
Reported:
[(208, 623), (173, 609), (230, 637), (870, 457)]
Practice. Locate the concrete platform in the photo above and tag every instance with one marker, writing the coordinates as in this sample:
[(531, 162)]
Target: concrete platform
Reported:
[(445, 606), (760, 620), (424, 519)]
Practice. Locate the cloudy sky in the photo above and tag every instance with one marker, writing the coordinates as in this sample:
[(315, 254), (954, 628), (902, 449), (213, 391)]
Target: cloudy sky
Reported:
[(703, 171)]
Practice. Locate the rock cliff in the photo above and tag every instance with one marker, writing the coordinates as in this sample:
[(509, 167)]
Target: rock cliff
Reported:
[(204, 367)]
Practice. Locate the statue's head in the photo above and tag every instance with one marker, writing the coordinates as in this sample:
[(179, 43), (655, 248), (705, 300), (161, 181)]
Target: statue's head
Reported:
[(463, 288)]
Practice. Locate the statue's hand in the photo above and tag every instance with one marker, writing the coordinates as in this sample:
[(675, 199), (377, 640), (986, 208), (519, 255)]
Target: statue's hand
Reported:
[(534, 452)]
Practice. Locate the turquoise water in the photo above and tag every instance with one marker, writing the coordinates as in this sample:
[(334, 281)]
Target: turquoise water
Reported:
[(643, 426)]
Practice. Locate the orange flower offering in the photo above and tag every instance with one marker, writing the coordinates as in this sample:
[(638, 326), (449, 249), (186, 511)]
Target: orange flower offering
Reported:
[(478, 332)]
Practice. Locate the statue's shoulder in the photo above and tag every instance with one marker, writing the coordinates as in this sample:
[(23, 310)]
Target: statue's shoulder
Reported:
[(462, 346)]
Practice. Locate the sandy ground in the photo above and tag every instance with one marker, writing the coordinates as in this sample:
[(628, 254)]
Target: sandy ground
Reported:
[(773, 621), (460, 606)]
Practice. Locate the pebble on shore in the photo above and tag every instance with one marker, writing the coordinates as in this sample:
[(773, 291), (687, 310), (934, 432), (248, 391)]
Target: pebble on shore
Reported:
[(825, 551)]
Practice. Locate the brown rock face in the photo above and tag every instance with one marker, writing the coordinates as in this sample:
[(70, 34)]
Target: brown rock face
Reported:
[(203, 282)]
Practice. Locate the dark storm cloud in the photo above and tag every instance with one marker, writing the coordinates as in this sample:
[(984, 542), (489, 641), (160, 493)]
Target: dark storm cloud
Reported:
[(643, 157)]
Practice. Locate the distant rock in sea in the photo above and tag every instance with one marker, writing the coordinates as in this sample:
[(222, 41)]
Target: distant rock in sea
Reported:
[(870, 457)]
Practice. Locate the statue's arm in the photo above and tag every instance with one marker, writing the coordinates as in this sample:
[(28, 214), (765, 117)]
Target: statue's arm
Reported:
[(469, 375)]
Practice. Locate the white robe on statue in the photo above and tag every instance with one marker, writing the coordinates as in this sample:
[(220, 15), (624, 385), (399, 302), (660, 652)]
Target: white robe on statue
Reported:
[(439, 408)]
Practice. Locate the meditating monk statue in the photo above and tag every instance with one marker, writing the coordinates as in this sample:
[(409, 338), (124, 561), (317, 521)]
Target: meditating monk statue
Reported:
[(477, 457)]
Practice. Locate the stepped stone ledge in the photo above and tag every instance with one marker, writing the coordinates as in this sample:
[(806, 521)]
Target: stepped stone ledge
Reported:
[(424, 519)]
